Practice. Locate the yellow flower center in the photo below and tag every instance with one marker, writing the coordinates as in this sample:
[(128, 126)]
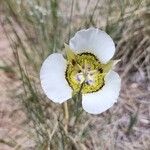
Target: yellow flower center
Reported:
[(85, 71)]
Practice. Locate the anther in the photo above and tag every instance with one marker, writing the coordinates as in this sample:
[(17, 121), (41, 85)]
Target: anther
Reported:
[(79, 71)]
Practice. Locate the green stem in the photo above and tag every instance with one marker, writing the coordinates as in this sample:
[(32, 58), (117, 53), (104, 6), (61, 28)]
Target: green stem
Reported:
[(66, 114)]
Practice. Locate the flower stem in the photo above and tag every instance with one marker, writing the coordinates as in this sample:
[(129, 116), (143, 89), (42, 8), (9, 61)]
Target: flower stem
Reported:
[(66, 113)]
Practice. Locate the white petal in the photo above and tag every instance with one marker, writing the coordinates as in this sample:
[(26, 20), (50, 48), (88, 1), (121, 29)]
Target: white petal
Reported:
[(102, 100), (53, 80), (95, 41)]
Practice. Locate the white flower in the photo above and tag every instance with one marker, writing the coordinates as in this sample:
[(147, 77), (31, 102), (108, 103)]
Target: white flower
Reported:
[(87, 69)]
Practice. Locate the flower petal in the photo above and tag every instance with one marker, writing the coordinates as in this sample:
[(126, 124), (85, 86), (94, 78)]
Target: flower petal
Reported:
[(102, 100), (53, 80), (94, 41)]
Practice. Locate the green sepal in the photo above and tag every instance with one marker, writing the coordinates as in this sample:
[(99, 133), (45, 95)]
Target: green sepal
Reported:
[(71, 56), (109, 66)]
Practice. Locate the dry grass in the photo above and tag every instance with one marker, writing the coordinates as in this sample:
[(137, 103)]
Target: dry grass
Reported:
[(28, 120)]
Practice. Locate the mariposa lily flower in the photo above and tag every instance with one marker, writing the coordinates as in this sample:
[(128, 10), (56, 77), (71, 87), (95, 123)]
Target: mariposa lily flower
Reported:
[(87, 68)]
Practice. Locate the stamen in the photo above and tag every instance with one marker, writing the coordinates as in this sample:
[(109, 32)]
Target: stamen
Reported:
[(79, 67), (85, 64)]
